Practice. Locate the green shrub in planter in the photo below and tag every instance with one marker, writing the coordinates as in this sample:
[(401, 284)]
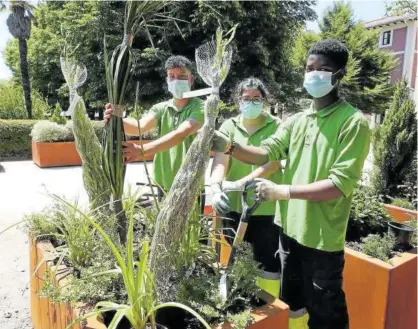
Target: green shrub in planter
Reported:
[(12, 103), (47, 132), (367, 215), (15, 140)]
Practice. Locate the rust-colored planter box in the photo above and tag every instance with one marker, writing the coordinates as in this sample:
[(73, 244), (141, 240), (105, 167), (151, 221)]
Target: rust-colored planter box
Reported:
[(400, 214), (47, 315), (381, 295), (62, 154)]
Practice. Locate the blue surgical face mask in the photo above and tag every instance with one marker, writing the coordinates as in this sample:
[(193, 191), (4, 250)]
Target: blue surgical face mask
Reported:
[(318, 83), (178, 87), (251, 109)]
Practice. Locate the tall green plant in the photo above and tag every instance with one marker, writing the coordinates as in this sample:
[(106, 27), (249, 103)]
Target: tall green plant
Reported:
[(139, 15), (137, 278), (395, 145)]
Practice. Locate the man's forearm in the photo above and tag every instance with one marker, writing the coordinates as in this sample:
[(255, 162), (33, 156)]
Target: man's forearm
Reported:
[(323, 190), (250, 154), (164, 143)]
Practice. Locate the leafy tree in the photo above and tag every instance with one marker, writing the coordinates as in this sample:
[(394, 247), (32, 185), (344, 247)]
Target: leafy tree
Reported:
[(19, 23), (263, 44), (395, 146), (366, 84), (79, 25), (402, 7)]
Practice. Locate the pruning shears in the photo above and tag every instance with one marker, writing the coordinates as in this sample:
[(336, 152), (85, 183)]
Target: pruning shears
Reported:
[(247, 211)]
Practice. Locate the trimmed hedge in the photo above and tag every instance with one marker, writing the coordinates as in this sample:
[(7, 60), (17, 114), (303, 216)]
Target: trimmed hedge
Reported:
[(15, 140), (16, 135)]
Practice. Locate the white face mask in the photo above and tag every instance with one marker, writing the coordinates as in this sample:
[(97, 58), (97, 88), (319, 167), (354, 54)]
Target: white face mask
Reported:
[(318, 83), (178, 87)]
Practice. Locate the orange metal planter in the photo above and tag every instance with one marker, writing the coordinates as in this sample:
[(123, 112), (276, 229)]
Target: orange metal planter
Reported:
[(47, 315), (401, 214), (62, 154), (381, 295)]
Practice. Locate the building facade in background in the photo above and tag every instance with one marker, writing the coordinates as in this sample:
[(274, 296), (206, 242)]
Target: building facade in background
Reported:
[(398, 34)]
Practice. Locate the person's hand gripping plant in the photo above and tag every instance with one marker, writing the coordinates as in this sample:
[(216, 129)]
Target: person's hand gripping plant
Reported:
[(139, 15)]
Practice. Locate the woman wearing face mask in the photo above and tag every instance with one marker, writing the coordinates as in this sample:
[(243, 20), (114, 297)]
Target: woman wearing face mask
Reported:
[(250, 127)]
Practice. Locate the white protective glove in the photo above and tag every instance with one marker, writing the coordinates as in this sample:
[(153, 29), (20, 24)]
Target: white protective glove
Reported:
[(220, 201), (266, 190), (228, 186)]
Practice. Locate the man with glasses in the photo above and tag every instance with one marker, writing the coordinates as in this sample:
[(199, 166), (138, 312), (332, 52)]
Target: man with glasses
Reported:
[(177, 120), (325, 148)]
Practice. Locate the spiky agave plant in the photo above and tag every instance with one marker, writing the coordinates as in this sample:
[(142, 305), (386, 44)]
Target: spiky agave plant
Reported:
[(139, 15)]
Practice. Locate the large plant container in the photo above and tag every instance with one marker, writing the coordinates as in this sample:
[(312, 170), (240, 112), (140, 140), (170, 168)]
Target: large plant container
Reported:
[(62, 154), (400, 214), (47, 315), (381, 295), (44, 313)]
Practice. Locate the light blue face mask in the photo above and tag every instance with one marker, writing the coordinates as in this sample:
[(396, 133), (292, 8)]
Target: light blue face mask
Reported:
[(318, 83), (178, 87), (251, 109)]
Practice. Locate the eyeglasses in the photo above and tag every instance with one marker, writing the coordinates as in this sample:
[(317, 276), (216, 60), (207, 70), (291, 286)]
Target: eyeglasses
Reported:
[(255, 101)]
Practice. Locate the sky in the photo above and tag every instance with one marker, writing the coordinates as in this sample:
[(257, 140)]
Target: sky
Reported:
[(365, 10)]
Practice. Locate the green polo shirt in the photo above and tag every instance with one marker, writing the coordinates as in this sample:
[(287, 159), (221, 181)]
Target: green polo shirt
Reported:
[(330, 144), (167, 163), (237, 170)]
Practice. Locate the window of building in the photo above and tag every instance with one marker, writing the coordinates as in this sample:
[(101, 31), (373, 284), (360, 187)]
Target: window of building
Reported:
[(386, 38)]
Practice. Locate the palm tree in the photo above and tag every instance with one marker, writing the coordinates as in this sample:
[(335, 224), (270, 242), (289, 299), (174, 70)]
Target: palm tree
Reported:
[(19, 24)]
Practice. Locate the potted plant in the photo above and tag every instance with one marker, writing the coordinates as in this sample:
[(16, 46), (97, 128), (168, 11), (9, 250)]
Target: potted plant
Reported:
[(48, 264), (376, 277), (53, 144)]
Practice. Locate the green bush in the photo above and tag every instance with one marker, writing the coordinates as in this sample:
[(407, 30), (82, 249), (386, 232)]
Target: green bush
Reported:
[(395, 145), (403, 203), (15, 138), (367, 215), (56, 115), (47, 131), (380, 247), (15, 135), (12, 103)]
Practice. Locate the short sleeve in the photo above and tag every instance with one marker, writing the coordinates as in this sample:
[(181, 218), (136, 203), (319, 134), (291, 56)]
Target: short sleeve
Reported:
[(228, 128), (157, 111), (196, 112), (277, 145), (354, 144)]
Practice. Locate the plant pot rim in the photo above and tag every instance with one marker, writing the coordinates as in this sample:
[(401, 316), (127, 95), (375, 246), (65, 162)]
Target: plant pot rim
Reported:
[(401, 226)]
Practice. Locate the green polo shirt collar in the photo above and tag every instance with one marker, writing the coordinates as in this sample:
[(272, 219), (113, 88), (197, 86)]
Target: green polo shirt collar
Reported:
[(326, 110), (238, 122)]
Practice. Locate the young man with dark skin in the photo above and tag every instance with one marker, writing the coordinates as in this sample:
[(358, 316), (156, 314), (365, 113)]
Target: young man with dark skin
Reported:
[(177, 119), (325, 149)]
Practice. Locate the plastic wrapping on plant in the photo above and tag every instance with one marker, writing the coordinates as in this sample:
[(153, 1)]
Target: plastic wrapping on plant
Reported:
[(213, 61)]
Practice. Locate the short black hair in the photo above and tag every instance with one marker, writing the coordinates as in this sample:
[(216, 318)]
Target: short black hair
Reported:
[(333, 49), (178, 61)]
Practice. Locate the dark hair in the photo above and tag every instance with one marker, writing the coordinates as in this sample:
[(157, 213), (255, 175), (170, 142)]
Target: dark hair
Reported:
[(252, 83), (178, 61), (333, 49)]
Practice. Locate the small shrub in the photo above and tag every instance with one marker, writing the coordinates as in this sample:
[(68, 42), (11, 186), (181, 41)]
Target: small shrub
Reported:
[(15, 141), (380, 247), (403, 203), (367, 215), (47, 131), (12, 103), (56, 115)]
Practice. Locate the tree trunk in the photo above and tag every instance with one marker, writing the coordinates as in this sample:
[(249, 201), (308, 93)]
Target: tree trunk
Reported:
[(24, 70)]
